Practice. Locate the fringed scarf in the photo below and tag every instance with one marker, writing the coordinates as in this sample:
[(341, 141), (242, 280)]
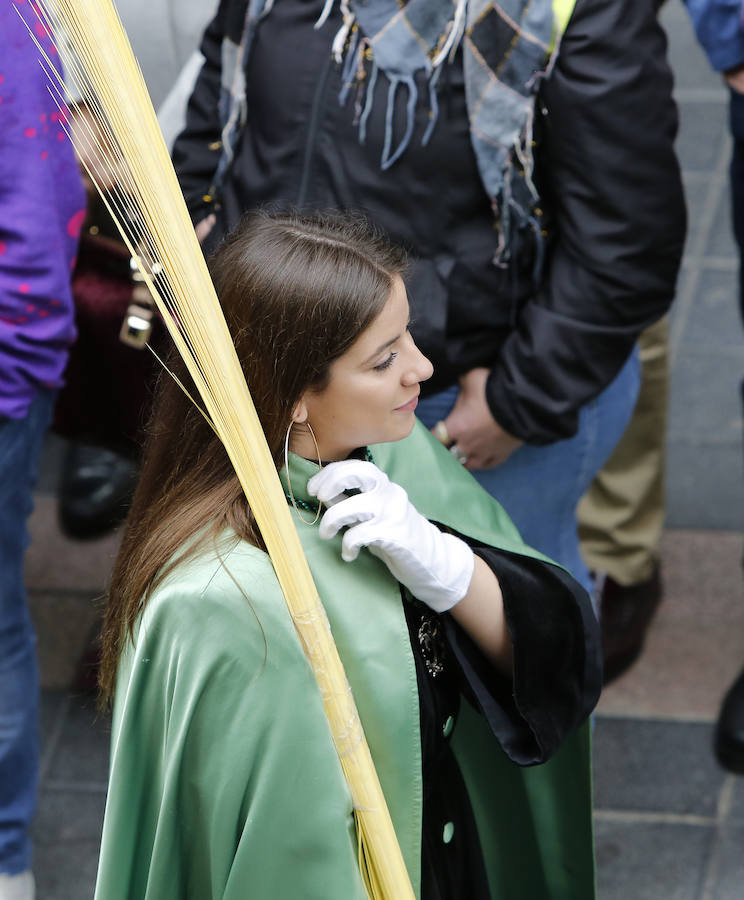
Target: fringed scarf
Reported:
[(507, 49)]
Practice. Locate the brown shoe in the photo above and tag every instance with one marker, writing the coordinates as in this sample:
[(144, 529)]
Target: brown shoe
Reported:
[(625, 614)]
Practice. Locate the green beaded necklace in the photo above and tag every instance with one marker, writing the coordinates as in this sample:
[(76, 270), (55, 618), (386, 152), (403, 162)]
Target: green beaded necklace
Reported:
[(311, 507)]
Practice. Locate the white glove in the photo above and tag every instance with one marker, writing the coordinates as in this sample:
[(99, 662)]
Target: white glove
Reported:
[(435, 567)]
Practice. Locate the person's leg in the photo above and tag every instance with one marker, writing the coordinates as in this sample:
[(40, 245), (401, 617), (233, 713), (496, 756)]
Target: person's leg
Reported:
[(540, 487), (736, 110), (20, 447), (729, 731), (621, 516)]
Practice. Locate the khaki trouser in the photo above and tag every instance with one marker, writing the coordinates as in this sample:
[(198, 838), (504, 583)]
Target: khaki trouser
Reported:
[(621, 516)]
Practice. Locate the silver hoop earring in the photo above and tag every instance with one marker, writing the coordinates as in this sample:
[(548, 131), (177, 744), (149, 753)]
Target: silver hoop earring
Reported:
[(289, 481)]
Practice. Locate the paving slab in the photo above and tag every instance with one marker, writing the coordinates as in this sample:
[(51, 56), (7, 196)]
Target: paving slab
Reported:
[(66, 869), (51, 464), (704, 485), (651, 861), (81, 757), (705, 401), (68, 817), (735, 811), (50, 710), (689, 63), (721, 239), (72, 796), (713, 323), (55, 562), (66, 581), (727, 874), (697, 185), (695, 645), (701, 122), (65, 622), (655, 766)]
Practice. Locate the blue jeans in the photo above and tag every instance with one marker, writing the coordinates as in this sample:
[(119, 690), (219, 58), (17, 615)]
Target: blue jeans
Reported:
[(540, 487), (20, 448)]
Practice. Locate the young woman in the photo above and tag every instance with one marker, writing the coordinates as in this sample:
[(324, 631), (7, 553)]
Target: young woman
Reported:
[(470, 656)]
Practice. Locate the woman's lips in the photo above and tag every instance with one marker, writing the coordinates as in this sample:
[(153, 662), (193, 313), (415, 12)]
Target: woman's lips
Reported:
[(410, 406)]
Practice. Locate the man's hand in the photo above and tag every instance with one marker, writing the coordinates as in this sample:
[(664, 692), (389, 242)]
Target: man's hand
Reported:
[(203, 228), (473, 428), (734, 78)]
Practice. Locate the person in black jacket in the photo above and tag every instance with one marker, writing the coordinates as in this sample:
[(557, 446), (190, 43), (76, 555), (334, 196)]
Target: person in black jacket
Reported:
[(539, 252), (719, 28)]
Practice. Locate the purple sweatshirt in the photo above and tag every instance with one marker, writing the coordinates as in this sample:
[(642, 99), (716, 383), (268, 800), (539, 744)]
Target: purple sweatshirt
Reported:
[(42, 207)]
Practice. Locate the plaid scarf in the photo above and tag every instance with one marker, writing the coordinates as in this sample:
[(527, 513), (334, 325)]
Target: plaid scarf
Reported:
[(507, 48)]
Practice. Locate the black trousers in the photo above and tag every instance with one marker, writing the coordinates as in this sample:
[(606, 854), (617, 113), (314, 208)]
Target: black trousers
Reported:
[(736, 111)]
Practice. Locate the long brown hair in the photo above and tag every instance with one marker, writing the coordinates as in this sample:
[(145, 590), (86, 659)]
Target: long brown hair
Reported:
[(296, 292)]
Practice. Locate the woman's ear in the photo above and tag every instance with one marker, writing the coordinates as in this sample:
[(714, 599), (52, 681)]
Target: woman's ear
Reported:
[(299, 413)]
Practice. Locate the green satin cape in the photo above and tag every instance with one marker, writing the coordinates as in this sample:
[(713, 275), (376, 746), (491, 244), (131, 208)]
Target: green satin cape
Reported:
[(224, 780)]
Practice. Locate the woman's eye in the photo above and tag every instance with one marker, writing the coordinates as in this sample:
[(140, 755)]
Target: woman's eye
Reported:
[(386, 363)]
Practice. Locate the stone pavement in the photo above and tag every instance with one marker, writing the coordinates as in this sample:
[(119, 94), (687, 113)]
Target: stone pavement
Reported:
[(670, 823)]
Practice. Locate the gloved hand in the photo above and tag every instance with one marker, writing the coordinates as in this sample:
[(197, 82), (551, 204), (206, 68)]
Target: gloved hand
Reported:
[(435, 567)]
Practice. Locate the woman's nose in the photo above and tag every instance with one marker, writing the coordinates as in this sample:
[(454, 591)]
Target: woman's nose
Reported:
[(419, 367)]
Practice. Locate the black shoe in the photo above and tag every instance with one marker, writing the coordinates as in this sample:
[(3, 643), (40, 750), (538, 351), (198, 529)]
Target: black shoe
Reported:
[(626, 612), (728, 741), (95, 490)]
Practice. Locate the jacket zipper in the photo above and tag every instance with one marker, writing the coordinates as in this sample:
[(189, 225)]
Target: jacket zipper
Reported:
[(318, 98)]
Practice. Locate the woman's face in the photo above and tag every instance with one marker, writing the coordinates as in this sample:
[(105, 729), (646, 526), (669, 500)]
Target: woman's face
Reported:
[(373, 390)]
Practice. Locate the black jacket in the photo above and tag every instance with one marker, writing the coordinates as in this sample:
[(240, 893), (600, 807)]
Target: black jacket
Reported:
[(605, 165)]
